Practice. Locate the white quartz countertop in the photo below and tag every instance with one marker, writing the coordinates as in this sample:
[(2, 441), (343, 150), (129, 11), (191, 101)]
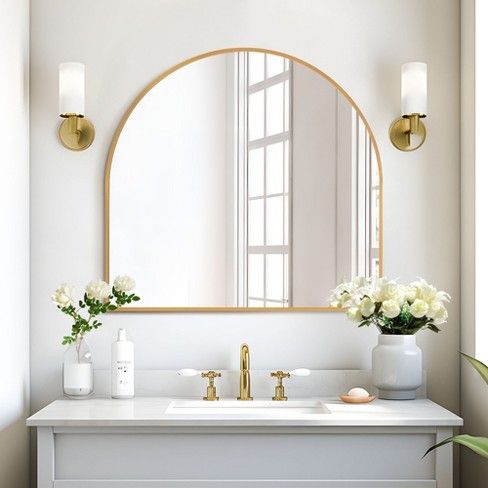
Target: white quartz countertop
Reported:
[(151, 411)]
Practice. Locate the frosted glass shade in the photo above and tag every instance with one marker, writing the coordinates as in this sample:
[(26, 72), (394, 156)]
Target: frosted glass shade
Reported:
[(414, 88), (72, 88)]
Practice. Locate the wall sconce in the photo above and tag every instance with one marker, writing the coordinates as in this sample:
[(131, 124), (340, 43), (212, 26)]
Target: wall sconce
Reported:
[(76, 132), (408, 132)]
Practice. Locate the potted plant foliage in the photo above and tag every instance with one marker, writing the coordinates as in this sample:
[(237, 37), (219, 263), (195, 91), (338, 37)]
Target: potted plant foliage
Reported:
[(477, 444)]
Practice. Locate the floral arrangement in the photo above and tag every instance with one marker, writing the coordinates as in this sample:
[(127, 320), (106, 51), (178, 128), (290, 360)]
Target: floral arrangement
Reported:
[(99, 298), (393, 308)]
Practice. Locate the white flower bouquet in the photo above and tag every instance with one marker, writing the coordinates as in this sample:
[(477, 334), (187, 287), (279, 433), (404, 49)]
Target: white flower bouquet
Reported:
[(99, 298), (392, 307)]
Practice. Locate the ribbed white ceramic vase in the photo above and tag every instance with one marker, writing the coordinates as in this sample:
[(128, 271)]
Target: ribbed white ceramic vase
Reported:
[(397, 367)]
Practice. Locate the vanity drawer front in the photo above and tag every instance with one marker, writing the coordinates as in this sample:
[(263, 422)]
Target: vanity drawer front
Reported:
[(244, 456)]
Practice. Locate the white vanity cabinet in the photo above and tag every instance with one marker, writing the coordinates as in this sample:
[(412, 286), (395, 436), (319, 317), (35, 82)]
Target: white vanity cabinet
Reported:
[(104, 443)]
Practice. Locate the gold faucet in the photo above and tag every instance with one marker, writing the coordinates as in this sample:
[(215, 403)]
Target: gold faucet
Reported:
[(245, 377)]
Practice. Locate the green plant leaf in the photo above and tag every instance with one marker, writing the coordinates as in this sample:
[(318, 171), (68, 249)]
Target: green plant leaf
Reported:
[(477, 444), (434, 328), (482, 368)]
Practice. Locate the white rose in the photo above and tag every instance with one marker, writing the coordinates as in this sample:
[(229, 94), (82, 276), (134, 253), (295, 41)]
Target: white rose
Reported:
[(401, 294), (410, 293), (442, 296), (367, 307), (379, 282), (379, 295), (425, 291), (419, 308), (429, 293), (98, 290), (434, 309), (386, 290), (124, 283), (390, 309), (350, 293), (441, 316), (62, 295), (345, 300), (353, 313), (336, 298)]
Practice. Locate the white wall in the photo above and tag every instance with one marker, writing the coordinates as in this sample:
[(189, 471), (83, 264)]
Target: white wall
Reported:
[(474, 394), (125, 44), (14, 242)]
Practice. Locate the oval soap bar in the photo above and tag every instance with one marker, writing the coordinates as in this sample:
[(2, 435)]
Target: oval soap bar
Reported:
[(358, 392)]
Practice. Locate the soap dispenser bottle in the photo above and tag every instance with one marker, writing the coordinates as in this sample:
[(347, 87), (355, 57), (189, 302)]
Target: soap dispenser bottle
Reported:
[(122, 367)]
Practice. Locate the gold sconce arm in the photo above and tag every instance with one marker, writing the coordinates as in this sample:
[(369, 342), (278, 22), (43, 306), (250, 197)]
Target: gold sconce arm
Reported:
[(76, 132), (211, 389), (279, 388)]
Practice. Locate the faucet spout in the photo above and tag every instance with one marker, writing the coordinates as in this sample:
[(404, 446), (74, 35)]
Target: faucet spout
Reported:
[(245, 376)]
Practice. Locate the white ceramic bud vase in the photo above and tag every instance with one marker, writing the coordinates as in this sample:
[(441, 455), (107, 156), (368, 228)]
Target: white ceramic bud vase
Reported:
[(397, 367)]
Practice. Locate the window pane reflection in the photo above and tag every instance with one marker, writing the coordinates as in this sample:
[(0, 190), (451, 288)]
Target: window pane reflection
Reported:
[(256, 115), (274, 109), (256, 172), (256, 275), (256, 222), (256, 68), (274, 168)]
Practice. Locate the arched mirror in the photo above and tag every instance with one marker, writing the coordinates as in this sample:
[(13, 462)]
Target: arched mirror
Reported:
[(242, 179)]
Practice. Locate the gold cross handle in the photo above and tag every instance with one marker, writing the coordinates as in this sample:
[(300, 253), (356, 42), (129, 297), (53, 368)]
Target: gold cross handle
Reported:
[(279, 388), (211, 389)]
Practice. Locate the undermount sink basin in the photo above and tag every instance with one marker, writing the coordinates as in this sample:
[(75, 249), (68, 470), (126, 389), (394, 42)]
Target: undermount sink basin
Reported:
[(253, 408)]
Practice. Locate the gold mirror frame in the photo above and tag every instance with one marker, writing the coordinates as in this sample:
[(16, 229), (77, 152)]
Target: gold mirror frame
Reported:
[(108, 168)]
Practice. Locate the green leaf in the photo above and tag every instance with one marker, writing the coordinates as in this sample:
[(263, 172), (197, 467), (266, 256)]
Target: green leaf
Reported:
[(482, 368), (477, 444), (67, 340)]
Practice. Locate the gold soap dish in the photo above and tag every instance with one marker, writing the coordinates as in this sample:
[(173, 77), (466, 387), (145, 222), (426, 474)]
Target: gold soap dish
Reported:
[(356, 399)]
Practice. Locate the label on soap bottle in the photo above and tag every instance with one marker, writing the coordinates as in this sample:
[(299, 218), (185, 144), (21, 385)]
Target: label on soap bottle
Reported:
[(124, 379), (122, 367)]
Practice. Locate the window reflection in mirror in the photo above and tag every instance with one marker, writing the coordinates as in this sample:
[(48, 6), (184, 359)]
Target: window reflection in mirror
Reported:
[(243, 180)]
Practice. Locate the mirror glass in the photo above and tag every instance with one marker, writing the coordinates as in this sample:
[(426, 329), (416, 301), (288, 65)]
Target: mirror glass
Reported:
[(242, 179)]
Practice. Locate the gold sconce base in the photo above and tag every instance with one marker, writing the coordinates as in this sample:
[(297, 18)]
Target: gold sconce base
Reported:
[(76, 133), (408, 133)]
